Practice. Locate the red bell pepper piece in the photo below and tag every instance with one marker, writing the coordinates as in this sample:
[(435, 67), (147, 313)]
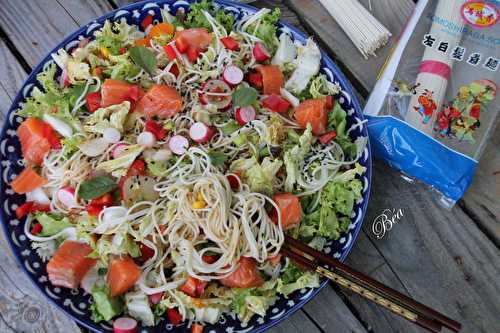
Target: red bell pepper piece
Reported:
[(327, 137), (93, 210), (93, 101), (146, 22), (104, 200), (157, 129), (37, 228), (230, 43), (181, 45), (51, 136), (24, 209), (193, 54), (193, 287), (170, 52), (146, 252), (276, 103), (329, 102), (174, 316), (209, 259)]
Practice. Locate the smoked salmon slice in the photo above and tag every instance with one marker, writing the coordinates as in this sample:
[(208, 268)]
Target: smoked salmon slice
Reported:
[(69, 264), (290, 209), (272, 79), (123, 273), (27, 181), (161, 100), (34, 144), (245, 276), (116, 91), (313, 111)]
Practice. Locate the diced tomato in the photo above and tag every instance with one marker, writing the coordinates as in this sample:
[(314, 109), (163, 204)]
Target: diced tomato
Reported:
[(93, 101), (38, 207), (174, 70), (196, 38), (290, 209), (161, 100), (193, 287), (155, 298), (94, 210), (276, 103), (161, 29), (157, 129), (193, 54), (312, 111), (233, 182), (69, 264), (51, 136), (104, 200), (116, 91), (255, 80), (197, 328), (27, 181), (174, 316), (328, 137), (146, 22), (37, 228), (245, 276), (209, 259), (122, 50), (34, 144), (230, 43), (329, 103), (123, 273), (272, 79), (170, 52)]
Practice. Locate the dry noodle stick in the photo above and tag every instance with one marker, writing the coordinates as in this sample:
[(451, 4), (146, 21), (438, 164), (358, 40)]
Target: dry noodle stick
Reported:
[(435, 68), (364, 30)]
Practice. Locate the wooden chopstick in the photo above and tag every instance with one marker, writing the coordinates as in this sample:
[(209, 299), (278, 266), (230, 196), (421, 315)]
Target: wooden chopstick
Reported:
[(367, 287)]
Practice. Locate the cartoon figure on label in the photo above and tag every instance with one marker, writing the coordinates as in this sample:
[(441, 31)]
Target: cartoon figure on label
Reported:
[(427, 105), (444, 120)]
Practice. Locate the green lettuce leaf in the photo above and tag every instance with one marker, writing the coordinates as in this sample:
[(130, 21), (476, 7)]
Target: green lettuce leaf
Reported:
[(265, 29), (321, 87), (118, 167), (306, 280), (138, 307), (52, 223), (295, 155), (258, 176), (337, 121), (196, 18), (250, 301), (111, 116), (104, 306)]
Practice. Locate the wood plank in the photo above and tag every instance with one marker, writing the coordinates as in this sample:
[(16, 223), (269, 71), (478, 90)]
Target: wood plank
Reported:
[(441, 257), (393, 14), (84, 12), (12, 74), (482, 200)]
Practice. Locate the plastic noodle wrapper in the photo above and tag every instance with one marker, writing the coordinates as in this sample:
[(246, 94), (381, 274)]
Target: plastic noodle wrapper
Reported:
[(436, 103)]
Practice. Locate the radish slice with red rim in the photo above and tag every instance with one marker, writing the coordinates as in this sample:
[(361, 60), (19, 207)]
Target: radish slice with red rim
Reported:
[(245, 114), (178, 144), (125, 325), (118, 150), (201, 133), (217, 93), (66, 196), (233, 75)]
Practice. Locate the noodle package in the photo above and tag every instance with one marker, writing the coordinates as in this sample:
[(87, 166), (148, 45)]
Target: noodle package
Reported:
[(436, 103)]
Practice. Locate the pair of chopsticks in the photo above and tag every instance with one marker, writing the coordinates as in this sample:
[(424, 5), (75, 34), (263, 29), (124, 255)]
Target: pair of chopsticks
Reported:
[(309, 258)]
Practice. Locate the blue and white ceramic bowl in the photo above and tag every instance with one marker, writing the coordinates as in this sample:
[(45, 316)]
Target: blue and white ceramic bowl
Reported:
[(75, 302)]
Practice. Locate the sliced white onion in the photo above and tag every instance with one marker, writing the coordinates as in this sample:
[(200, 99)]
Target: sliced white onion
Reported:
[(111, 217), (39, 196), (146, 139), (58, 125), (162, 155), (94, 147), (111, 134), (89, 279), (290, 97)]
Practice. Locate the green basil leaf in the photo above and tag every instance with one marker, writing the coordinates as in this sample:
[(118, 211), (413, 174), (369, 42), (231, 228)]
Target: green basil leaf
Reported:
[(96, 187), (217, 158), (143, 58), (244, 96)]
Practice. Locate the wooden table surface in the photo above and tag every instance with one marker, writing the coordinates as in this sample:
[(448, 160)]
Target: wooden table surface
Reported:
[(449, 260)]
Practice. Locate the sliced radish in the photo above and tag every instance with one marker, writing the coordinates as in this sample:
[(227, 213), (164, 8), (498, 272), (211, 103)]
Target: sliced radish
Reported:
[(111, 134), (59, 125), (155, 298), (66, 196), (125, 325), (39, 196), (245, 114), (217, 93), (178, 144), (260, 52), (201, 133), (146, 139), (233, 75), (118, 150)]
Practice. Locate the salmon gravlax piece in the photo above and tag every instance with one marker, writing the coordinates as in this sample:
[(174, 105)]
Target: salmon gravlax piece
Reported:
[(69, 264), (160, 100)]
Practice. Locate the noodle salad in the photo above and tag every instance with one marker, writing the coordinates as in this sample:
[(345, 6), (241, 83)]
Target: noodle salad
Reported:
[(164, 163)]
